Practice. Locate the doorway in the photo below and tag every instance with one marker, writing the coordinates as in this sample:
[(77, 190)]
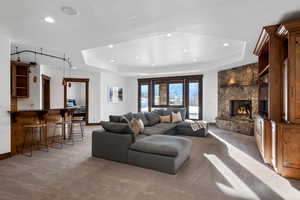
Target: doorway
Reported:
[(76, 95), (46, 92)]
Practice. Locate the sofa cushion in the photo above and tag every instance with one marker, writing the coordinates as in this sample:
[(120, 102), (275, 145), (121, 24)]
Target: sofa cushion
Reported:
[(115, 118), (153, 118), (162, 145), (158, 129), (181, 110), (128, 117), (142, 116), (122, 128)]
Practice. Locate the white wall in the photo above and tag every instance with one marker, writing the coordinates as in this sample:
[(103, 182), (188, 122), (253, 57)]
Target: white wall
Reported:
[(210, 95), (129, 86), (57, 89), (5, 96)]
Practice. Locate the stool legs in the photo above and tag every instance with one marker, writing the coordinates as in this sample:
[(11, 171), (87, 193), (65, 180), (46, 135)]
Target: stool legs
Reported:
[(57, 139), (41, 130), (31, 143), (45, 140)]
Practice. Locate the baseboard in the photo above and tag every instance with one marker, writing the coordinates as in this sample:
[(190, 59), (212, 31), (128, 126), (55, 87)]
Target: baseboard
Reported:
[(92, 124), (5, 156)]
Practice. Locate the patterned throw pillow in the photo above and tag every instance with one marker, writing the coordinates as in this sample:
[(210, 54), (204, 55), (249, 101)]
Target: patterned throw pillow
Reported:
[(165, 119), (176, 117)]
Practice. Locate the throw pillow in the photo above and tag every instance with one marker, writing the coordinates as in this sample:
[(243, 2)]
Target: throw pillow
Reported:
[(176, 117), (181, 110), (142, 126), (165, 119), (137, 126)]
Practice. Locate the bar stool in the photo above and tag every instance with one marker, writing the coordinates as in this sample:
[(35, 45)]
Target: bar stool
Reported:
[(77, 121), (62, 138), (58, 138), (39, 127)]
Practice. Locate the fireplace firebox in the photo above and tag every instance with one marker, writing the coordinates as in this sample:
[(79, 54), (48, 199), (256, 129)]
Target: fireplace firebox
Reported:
[(242, 108)]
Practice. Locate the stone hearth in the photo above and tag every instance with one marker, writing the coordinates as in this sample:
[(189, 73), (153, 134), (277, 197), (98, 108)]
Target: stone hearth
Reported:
[(239, 84)]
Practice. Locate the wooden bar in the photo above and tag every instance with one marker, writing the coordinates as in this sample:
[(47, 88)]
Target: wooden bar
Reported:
[(19, 119)]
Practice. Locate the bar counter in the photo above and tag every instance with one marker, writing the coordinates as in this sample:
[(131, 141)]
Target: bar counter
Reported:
[(19, 119)]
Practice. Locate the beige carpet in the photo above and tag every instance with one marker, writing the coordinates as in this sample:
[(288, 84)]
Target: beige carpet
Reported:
[(222, 166)]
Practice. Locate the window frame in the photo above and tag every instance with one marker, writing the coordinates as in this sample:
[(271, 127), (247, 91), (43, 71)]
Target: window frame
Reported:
[(185, 80)]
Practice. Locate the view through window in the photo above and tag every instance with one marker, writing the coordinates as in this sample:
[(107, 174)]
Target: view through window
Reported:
[(175, 94), (182, 91), (193, 100), (144, 98)]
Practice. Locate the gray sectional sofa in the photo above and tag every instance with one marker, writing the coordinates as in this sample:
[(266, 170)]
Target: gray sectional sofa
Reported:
[(157, 148)]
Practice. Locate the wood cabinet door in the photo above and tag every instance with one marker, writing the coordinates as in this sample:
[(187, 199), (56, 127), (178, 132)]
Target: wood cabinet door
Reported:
[(287, 151), (291, 147), (294, 78)]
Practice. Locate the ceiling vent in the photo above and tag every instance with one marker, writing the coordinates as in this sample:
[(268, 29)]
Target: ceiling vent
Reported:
[(69, 10)]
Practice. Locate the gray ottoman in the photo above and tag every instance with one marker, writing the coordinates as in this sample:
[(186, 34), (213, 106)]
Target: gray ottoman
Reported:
[(160, 152)]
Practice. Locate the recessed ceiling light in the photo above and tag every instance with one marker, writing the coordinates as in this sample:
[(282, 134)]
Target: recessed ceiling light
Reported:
[(69, 10), (111, 46), (152, 64), (49, 20), (112, 60), (73, 67), (195, 59), (137, 57), (226, 44), (185, 50), (131, 18), (169, 35)]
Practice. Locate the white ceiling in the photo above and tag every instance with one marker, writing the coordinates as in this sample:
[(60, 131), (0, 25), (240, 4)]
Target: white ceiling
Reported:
[(138, 28)]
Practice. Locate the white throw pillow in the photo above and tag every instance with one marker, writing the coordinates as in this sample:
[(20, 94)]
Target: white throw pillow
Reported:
[(176, 117)]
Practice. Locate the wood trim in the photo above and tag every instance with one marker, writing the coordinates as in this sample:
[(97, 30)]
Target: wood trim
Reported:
[(5, 155), (83, 80), (45, 77), (286, 28), (264, 38), (169, 80), (19, 63), (77, 79)]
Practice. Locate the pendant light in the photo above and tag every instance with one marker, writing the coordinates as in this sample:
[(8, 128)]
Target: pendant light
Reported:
[(64, 66)]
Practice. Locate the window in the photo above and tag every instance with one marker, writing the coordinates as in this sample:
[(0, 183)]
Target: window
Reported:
[(160, 94), (181, 91), (193, 109), (176, 94), (144, 98)]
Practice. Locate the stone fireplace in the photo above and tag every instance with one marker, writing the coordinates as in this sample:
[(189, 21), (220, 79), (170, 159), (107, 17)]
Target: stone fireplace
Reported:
[(238, 99)]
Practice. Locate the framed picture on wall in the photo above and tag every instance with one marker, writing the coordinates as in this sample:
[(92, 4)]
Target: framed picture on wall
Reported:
[(115, 95)]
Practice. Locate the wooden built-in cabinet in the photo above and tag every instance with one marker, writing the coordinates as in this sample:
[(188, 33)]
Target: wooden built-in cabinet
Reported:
[(277, 127), (19, 79)]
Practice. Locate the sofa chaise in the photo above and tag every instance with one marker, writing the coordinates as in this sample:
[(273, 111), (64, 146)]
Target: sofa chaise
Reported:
[(158, 148)]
